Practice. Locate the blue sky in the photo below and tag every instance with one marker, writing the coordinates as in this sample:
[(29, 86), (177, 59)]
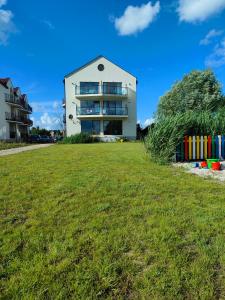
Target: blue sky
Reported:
[(157, 41)]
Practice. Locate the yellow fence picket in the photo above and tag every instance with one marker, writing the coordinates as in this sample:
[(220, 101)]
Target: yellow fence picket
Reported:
[(205, 146), (190, 147)]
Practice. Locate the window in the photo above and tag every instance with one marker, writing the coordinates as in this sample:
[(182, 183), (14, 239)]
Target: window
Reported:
[(89, 88), (91, 127), (90, 107), (12, 131), (101, 67), (113, 127), (112, 107), (114, 88)]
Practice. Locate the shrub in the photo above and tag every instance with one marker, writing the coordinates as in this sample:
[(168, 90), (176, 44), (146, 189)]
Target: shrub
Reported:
[(80, 138)]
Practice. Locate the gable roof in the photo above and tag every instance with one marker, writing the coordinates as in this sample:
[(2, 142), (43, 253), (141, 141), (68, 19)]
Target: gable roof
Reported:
[(91, 62), (4, 81), (16, 89)]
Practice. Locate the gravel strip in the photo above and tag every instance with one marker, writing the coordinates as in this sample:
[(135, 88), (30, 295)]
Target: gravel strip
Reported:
[(218, 175), (23, 149)]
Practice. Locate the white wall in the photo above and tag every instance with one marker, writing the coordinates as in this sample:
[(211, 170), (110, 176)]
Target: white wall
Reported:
[(4, 107), (111, 73)]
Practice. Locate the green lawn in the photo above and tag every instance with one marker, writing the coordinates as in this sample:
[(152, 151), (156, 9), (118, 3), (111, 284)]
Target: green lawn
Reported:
[(4, 145), (100, 221)]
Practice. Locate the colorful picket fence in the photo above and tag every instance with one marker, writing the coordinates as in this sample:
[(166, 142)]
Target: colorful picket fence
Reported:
[(201, 147)]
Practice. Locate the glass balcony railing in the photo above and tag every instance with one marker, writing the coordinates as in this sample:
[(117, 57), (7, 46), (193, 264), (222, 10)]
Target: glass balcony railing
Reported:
[(101, 90), (85, 111), (117, 111)]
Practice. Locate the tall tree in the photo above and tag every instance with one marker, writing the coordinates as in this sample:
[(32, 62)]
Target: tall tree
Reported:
[(197, 91)]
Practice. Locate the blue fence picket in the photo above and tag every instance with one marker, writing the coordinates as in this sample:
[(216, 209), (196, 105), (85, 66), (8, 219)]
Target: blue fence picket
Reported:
[(223, 146)]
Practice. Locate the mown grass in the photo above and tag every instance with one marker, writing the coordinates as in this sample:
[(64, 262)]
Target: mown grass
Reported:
[(101, 221), (5, 145)]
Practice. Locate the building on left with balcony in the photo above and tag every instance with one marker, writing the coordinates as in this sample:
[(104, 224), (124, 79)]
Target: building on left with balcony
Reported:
[(14, 112)]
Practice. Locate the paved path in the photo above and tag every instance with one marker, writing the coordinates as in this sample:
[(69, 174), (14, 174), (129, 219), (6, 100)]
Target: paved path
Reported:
[(22, 149)]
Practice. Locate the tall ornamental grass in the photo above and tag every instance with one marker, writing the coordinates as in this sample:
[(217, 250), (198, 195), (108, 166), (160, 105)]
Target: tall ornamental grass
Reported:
[(80, 138), (168, 132)]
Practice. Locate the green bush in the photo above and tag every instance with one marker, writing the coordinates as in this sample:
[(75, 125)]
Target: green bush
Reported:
[(80, 138)]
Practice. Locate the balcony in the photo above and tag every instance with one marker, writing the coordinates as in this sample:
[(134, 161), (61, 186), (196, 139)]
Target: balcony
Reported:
[(101, 91), (64, 118), (15, 118), (116, 113), (18, 102)]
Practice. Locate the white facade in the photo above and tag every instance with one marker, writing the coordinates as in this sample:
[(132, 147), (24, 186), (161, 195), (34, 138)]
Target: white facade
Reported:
[(14, 112), (100, 98)]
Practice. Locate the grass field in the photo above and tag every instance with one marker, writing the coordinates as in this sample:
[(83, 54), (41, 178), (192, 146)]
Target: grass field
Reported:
[(4, 145), (101, 221)]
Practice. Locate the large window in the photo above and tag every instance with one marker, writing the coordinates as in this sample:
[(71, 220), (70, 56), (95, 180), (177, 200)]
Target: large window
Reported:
[(112, 107), (89, 108), (113, 127), (89, 88), (91, 127), (112, 88)]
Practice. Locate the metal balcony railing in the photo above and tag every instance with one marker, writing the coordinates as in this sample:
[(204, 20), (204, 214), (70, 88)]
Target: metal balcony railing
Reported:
[(18, 101), (18, 118), (117, 111), (64, 118)]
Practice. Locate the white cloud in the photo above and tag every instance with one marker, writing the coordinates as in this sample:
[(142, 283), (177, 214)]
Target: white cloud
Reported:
[(50, 121), (6, 24), (199, 10), (48, 24), (136, 18), (56, 105), (3, 2), (210, 36), (148, 122), (46, 121), (217, 58), (47, 114), (47, 106)]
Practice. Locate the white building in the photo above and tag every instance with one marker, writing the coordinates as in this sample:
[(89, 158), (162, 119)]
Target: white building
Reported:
[(100, 99), (14, 112)]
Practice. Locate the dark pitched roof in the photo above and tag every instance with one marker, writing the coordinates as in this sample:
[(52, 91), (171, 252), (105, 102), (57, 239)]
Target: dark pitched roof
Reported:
[(4, 81), (16, 90), (92, 61)]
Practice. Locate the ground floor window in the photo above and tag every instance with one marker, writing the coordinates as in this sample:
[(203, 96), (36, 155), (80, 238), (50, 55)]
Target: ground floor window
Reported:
[(113, 127), (91, 127)]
